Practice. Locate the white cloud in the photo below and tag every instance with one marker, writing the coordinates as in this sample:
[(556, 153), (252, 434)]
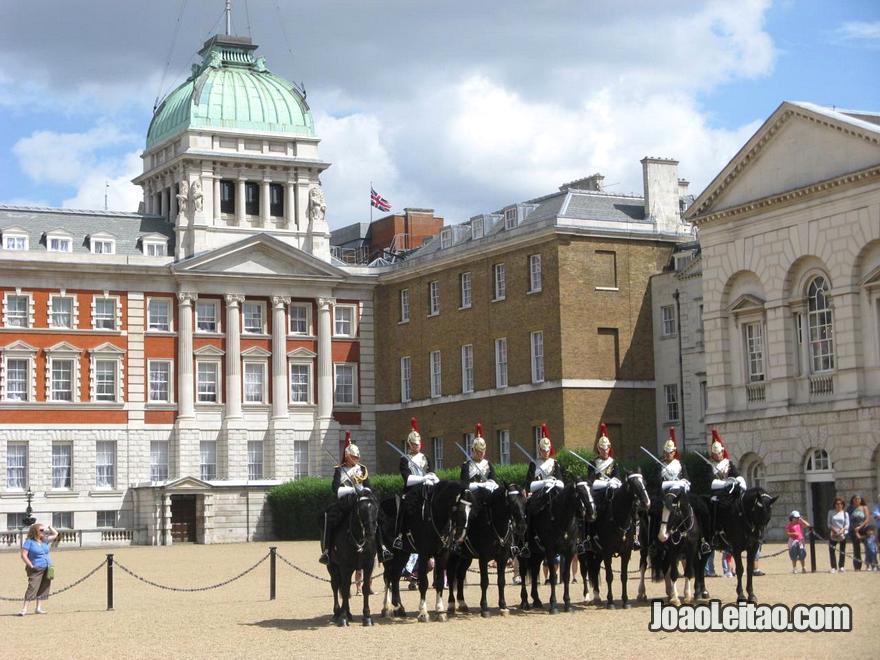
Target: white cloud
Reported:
[(84, 161), (863, 32)]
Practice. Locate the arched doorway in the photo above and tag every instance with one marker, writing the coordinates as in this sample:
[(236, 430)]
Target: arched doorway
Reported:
[(819, 477), (753, 470)]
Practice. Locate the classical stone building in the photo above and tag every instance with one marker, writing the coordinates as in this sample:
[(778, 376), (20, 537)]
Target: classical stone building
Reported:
[(790, 237), (538, 313), (159, 371)]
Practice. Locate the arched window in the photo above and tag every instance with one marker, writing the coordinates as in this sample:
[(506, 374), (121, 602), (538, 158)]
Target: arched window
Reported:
[(818, 461), (821, 327), (753, 470)]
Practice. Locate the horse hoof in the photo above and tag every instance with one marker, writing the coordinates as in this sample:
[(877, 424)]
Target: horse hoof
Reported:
[(400, 612), (704, 595), (553, 609), (525, 605), (368, 621), (537, 604), (343, 622), (753, 599), (484, 614), (566, 607), (610, 606), (441, 617), (675, 602), (464, 609), (423, 618), (627, 605), (741, 599), (642, 598), (504, 611)]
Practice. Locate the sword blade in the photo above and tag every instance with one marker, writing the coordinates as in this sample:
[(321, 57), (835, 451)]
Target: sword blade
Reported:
[(656, 460)]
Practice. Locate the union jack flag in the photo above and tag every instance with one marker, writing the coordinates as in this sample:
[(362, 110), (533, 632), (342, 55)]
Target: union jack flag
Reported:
[(378, 201)]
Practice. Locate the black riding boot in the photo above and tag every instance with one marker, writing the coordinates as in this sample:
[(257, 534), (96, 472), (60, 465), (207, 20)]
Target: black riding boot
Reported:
[(397, 544), (325, 544)]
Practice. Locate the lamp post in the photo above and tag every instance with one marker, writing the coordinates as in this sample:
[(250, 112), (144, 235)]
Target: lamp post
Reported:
[(29, 512)]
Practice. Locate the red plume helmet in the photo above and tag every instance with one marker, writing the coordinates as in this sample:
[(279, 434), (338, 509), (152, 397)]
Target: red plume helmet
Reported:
[(604, 440), (414, 424), (716, 437), (545, 433), (479, 430), (346, 444), (671, 445)]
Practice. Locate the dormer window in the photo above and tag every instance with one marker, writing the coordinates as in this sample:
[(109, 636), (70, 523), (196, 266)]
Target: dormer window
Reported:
[(59, 241), (446, 238), (15, 239), (510, 218), (102, 244), (154, 245), (477, 228)]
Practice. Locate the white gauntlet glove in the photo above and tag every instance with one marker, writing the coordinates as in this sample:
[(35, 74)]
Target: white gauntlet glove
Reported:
[(615, 482), (343, 491), (414, 480), (432, 479)]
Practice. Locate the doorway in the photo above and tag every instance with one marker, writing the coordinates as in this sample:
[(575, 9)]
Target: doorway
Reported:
[(819, 475), (183, 519)]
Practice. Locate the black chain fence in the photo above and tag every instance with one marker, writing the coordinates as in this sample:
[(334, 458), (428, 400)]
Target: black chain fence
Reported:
[(125, 569), (58, 592)]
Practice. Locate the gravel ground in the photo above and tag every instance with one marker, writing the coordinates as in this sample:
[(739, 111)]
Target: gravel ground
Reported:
[(239, 619)]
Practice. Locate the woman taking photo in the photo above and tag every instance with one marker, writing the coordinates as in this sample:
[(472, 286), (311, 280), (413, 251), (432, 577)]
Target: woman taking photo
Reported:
[(35, 555), (838, 528)]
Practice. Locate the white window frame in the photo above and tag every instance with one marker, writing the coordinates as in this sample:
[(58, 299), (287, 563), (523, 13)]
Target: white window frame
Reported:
[(353, 309), (208, 450), (673, 409), (754, 351), (14, 237), (501, 363), (477, 225), (354, 383), (467, 368), (101, 519), (62, 519), (300, 459), (405, 379), (101, 453), (20, 351), (107, 353), (215, 303), (23, 385), (218, 398), (159, 468), (445, 237), (820, 361), (503, 440), (465, 281), (264, 387), (309, 364), (667, 321), (434, 298), (117, 313), (436, 374), (169, 363), (536, 350), (102, 244), (403, 296), (170, 308), (308, 319), (252, 464), (499, 282), (27, 319), (74, 310), (12, 470), (536, 282), (61, 352), (155, 245), (253, 304), (59, 477), (59, 241), (437, 453), (99, 364), (510, 218)]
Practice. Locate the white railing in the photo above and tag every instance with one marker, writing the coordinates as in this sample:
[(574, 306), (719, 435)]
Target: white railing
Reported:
[(13, 538), (755, 393), (821, 385)]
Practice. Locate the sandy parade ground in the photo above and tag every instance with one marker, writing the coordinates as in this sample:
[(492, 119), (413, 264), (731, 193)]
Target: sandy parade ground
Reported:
[(239, 620)]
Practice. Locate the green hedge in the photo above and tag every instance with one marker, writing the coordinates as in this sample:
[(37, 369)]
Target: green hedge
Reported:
[(297, 505)]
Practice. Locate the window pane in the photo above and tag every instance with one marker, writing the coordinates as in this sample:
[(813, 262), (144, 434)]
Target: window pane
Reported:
[(159, 315), (61, 462), (299, 319), (501, 362), (404, 305), (17, 311), (206, 316), (300, 458), (207, 381), (62, 312), (344, 386), (17, 377), (105, 380), (255, 459), (253, 317), (160, 373), (62, 380), (105, 464), (344, 321), (253, 382), (159, 460), (208, 456), (16, 465), (299, 383), (405, 379), (276, 200), (227, 197), (105, 313)]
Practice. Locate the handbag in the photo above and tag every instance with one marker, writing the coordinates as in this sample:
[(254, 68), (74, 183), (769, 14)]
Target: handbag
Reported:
[(50, 573)]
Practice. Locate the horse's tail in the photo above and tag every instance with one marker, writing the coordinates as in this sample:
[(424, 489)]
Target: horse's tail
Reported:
[(658, 563)]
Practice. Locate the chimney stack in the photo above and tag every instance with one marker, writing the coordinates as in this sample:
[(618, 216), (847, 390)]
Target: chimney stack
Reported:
[(592, 183), (662, 188)]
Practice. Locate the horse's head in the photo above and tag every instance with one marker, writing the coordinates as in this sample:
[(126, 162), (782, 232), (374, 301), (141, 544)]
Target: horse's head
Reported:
[(516, 505), (367, 509), (757, 504), (636, 483), (586, 506)]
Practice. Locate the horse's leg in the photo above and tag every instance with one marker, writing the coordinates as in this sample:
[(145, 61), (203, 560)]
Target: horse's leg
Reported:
[(751, 551), (553, 580), (440, 563), (737, 557), (565, 576), (535, 575), (345, 587), (523, 566), (334, 584), (595, 565), (609, 580), (484, 585), (624, 567), (452, 568), (367, 576), (422, 568), (501, 570), (460, 578), (642, 594), (671, 587)]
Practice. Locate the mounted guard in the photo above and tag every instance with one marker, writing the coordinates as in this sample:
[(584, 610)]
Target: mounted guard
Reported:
[(727, 484), (545, 473), (604, 475), (478, 472), (674, 481), (418, 480)]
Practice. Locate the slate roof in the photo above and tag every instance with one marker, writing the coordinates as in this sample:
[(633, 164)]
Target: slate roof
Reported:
[(126, 228)]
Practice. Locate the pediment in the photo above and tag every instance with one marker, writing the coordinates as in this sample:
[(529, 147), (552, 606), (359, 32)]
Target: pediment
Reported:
[(63, 347), (260, 256), (255, 351), (799, 145), (208, 351), (302, 353), (188, 483), (746, 303), (19, 347), (107, 347), (14, 229)]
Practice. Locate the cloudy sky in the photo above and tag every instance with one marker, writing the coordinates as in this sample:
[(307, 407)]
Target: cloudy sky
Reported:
[(458, 106)]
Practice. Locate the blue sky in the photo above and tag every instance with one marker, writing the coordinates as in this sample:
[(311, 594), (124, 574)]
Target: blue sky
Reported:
[(457, 106)]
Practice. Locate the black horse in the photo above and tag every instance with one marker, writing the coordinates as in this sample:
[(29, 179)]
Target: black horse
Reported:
[(740, 527), (352, 548), (613, 534), (434, 527), (495, 532), (556, 523), (683, 547)]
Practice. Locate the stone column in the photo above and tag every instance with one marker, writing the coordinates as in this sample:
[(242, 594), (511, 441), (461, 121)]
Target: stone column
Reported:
[(325, 359), (239, 201), (148, 198), (264, 202), (216, 200), (163, 203), (185, 394), (279, 357), (233, 355), (172, 202), (290, 206)]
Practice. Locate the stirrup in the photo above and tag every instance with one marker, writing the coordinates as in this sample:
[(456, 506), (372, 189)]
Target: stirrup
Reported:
[(324, 558), (524, 551), (398, 542), (705, 548), (387, 555)]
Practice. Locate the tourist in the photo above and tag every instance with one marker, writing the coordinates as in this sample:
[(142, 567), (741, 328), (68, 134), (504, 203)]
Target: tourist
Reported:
[(38, 566), (795, 531), (871, 549), (858, 520), (838, 528)]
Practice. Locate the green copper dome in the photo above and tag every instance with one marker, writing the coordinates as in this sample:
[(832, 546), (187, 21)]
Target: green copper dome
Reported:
[(232, 89)]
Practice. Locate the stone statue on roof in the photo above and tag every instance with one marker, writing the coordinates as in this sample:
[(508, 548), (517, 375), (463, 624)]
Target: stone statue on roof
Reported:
[(182, 197), (198, 198)]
